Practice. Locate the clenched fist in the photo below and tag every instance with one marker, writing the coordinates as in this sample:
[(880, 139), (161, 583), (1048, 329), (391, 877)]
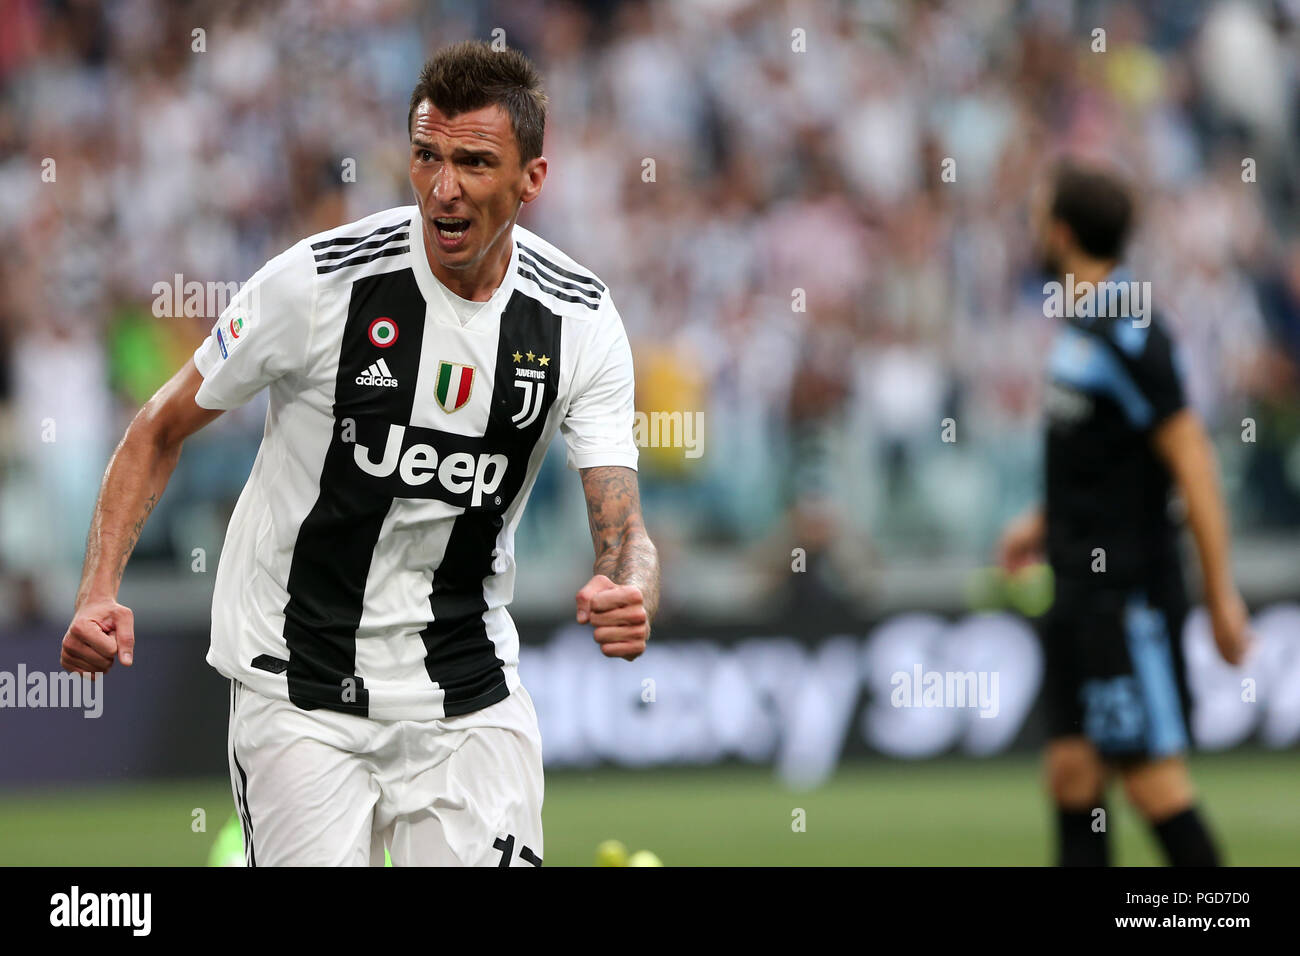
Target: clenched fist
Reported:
[(1022, 542), (101, 631), (618, 614)]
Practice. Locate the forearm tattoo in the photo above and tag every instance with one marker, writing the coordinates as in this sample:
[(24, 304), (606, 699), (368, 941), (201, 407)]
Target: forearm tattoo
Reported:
[(133, 538), (624, 552)]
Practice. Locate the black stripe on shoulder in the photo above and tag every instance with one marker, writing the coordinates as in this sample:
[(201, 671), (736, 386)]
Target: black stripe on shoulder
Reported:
[(389, 251), (551, 280), (550, 290), (325, 257), (589, 280), (346, 241)]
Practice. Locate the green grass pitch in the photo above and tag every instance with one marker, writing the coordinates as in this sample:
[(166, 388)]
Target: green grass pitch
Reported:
[(946, 812)]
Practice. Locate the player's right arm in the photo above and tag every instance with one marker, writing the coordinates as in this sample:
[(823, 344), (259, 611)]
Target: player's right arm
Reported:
[(102, 629), (262, 335)]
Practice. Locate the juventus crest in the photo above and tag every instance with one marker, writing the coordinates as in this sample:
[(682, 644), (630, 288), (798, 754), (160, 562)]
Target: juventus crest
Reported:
[(530, 378)]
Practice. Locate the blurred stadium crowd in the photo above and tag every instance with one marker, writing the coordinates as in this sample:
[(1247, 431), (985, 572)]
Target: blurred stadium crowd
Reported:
[(775, 170)]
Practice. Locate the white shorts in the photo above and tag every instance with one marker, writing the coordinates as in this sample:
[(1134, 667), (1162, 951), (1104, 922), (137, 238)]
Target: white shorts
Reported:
[(321, 788)]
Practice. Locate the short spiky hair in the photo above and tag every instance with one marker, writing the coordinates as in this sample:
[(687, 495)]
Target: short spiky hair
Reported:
[(470, 75), (1096, 204)]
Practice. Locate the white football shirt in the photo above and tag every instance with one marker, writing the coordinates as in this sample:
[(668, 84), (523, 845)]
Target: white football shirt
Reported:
[(370, 560)]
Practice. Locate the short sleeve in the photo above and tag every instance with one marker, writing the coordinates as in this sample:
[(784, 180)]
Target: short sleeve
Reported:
[(598, 427), (1153, 362), (262, 334)]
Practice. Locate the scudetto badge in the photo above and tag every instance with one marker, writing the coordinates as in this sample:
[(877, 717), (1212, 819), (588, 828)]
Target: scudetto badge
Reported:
[(383, 332), (454, 384)]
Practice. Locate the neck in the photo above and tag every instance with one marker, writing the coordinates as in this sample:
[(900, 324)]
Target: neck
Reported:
[(1086, 269), (478, 281)]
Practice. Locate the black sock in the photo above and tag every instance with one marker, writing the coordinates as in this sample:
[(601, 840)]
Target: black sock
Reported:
[(1186, 840), (1078, 844)]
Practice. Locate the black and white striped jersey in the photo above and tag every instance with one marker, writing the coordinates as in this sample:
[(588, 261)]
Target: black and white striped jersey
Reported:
[(370, 560)]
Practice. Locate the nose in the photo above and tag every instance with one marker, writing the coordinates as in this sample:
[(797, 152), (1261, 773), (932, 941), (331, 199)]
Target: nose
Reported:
[(446, 185)]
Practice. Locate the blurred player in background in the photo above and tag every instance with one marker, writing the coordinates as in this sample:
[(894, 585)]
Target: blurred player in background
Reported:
[(419, 363), (1119, 435)]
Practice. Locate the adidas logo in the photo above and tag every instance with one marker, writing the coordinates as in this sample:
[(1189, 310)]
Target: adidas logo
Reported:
[(377, 374)]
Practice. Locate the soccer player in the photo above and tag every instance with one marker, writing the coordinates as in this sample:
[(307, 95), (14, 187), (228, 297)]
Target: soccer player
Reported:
[(419, 362), (1119, 437)]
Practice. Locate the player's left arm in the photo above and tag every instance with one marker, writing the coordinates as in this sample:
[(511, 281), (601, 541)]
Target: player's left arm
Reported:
[(1181, 441), (622, 597)]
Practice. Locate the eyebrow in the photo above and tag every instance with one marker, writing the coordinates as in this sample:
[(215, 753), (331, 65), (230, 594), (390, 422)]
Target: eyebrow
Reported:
[(420, 142)]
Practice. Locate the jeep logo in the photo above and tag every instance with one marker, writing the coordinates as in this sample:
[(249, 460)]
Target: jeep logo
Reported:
[(460, 473)]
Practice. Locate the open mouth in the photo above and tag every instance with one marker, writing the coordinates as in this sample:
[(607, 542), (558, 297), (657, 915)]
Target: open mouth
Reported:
[(451, 228)]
